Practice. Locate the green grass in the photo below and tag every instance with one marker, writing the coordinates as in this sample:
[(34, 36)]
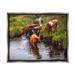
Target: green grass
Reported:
[(17, 23)]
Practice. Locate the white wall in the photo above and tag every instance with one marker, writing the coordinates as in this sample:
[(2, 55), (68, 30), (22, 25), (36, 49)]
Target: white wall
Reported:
[(44, 68)]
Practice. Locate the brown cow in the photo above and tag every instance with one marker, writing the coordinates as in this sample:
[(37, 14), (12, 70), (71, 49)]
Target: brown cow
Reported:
[(33, 29), (34, 39), (52, 24)]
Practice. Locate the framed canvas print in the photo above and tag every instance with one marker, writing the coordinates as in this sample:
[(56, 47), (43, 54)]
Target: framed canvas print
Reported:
[(37, 37)]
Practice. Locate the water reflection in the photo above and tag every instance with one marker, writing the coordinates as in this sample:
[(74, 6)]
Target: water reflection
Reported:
[(20, 50)]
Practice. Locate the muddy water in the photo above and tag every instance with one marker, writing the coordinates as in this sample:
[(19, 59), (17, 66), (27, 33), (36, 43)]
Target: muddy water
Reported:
[(20, 50)]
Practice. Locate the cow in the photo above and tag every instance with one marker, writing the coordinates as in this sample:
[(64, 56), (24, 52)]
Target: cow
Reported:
[(52, 24), (33, 41), (33, 29)]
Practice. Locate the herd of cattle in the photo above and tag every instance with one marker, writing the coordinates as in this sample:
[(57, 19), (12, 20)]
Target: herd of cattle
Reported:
[(34, 37)]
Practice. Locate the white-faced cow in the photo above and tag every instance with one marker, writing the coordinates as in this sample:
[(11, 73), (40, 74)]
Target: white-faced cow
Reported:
[(52, 24)]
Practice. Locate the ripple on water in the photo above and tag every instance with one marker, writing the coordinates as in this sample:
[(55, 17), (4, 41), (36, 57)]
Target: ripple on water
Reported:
[(19, 50)]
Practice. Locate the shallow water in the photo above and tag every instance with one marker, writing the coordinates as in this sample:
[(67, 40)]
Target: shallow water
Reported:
[(20, 50)]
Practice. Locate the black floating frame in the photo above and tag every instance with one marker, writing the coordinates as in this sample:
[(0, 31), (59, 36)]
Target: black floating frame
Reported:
[(54, 60)]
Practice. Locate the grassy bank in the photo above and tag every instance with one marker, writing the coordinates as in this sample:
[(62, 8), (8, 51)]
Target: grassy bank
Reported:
[(18, 23)]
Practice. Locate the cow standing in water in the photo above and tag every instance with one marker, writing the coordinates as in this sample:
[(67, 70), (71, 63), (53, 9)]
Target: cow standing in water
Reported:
[(34, 39), (33, 35)]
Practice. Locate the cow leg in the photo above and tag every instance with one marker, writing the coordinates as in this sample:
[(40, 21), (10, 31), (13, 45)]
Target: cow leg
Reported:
[(35, 52)]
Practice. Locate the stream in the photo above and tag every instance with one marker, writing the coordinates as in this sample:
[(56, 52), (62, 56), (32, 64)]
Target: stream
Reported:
[(19, 49)]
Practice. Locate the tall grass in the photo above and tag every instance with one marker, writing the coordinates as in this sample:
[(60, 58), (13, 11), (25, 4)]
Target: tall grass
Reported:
[(18, 22)]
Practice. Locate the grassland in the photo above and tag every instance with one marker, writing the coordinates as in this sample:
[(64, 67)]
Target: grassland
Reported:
[(17, 24)]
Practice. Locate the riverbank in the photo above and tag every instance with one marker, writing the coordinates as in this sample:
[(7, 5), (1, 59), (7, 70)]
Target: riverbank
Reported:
[(20, 50)]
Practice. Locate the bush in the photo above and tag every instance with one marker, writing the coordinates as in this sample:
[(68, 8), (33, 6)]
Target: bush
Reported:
[(17, 24)]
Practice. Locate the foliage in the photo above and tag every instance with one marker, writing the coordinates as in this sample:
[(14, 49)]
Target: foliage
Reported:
[(18, 22)]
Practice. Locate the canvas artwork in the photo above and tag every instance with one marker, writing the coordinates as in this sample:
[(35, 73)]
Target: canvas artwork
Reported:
[(37, 37)]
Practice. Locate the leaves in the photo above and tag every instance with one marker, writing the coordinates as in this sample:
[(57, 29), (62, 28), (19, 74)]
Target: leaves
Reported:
[(18, 22)]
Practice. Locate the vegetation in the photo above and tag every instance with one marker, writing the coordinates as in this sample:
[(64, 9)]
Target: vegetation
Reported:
[(17, 24)]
